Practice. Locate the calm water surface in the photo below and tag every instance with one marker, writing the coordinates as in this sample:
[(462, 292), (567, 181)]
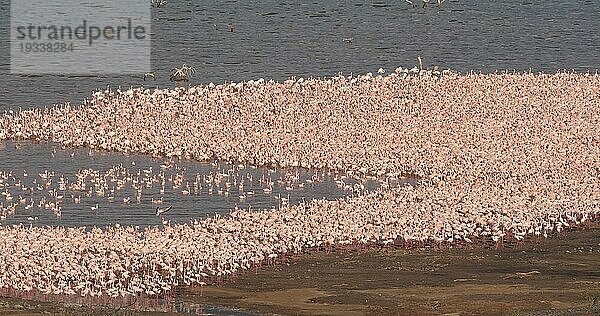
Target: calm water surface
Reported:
[(278, 39), (32, 173)]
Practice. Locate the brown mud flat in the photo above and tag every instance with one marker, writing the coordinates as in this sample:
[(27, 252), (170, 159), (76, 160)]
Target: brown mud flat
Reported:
[(557, 276)]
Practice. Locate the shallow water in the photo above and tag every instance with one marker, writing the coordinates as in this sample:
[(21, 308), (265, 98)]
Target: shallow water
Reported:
[(23, 171), (203, 309), (276, 39)]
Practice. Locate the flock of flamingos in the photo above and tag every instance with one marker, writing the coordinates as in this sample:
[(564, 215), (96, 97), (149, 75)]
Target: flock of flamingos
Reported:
[(500, 158), (94, 190)]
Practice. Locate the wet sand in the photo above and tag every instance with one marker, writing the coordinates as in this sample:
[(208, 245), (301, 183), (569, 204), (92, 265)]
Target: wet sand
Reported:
[(557, 276)]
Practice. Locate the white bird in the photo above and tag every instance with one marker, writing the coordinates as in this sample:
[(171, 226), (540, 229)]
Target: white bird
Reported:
[(149, 75), (158, 3), (182, 74), (426, 2), (160, 211)]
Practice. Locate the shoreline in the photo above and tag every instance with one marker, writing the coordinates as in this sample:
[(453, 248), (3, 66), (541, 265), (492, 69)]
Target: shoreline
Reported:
[(555, 276)]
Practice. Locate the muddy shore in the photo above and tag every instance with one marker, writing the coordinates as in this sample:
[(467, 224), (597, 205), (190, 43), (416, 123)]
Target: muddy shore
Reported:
[(558, 276)]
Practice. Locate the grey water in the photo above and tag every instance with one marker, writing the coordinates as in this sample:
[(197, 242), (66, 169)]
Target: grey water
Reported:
[(203, 309), (279, 39), (32, 173)]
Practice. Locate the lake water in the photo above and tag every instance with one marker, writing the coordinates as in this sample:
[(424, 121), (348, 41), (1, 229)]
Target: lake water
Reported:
[(32, 173), (278, 39)]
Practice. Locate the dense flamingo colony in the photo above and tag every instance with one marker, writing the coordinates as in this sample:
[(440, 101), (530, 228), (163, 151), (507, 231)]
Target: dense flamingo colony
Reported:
[(501, 156)]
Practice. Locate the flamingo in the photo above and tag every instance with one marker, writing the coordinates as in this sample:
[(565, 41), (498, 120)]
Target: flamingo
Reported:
[(160, 211)]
